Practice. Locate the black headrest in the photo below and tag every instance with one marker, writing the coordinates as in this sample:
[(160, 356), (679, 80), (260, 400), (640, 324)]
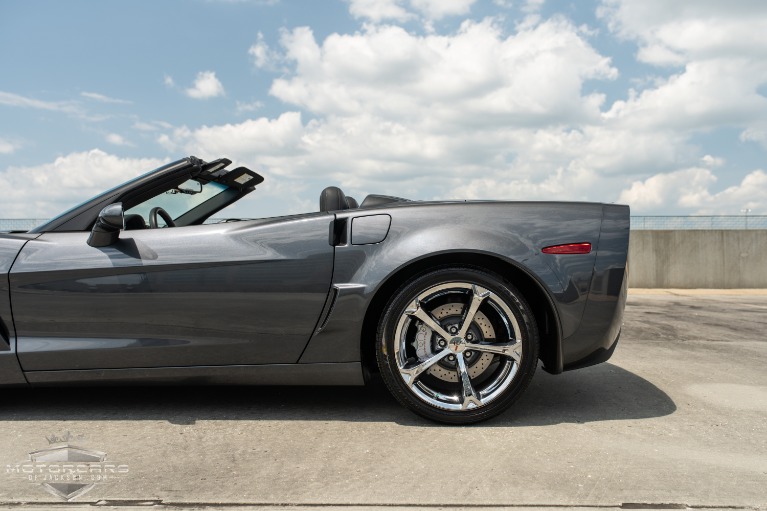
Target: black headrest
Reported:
[(352, 202), (333, 199), (133, 222)]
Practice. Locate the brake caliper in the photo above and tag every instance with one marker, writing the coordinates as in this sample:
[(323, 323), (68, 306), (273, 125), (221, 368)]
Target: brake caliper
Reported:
[(422, 342)]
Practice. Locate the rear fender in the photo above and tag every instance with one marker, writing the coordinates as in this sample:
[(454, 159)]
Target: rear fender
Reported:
[(595, 339), (417, 233)]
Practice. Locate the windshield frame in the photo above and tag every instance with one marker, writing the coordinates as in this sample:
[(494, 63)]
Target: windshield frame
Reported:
[(239, 181), (82, 217)]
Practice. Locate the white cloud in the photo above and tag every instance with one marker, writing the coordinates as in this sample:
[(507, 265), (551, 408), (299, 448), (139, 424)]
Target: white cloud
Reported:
[(45, 190), (750, 194), (17, 100), (151, 125), (252, 106), (712, 161), (7, 147), (720, 49), (248, 140), (388, 104), (706, 94), (116, 139), (438, 9), (168, 81), (474, 114), (379, 10), (263, 56), (487, 113), (104, 99), (676, 188), (532, 6), (477, 75), (712, 63), (405, 10), (757, 132), (690, 190), (563, 184), (205, 86), (683, 31)]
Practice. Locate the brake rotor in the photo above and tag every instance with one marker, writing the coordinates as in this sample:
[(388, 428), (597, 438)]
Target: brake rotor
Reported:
[(423, 343)]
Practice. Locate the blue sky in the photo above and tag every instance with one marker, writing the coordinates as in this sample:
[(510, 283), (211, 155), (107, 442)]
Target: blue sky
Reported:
[(658, 105)]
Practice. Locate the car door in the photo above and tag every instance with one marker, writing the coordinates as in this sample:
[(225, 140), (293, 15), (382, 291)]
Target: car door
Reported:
[(245, 292)]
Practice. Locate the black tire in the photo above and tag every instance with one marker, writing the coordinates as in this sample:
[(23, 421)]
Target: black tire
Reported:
[(407, 342)]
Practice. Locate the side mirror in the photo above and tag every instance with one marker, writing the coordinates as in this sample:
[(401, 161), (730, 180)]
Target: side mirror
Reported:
[(108, 225)]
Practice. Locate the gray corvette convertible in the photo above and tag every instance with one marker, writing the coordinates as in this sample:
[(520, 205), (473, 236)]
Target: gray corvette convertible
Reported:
[(453, 303)]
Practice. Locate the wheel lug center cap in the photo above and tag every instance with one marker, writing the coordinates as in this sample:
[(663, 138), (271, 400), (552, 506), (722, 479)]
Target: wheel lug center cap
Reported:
[(456, 345)]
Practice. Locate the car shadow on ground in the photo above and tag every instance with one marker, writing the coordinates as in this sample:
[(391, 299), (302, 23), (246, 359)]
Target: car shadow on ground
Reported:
[(599, 393)]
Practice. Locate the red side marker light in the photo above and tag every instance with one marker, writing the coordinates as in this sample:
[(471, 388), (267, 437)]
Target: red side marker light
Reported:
[(568, 248)]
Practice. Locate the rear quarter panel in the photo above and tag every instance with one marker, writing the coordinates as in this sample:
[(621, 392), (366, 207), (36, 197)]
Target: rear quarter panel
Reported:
[(511, 232), (598, 332)]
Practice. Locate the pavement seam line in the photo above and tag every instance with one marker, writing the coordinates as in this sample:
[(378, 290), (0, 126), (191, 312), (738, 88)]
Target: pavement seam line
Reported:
[(149, 503)]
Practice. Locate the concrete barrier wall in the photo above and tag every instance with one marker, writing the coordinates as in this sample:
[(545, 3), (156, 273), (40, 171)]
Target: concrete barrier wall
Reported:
[(692, 259)]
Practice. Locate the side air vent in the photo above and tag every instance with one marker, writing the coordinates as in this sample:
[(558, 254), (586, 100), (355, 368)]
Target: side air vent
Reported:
[(329, 310)]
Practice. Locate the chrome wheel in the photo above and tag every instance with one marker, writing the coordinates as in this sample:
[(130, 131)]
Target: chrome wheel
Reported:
[(458, 346)]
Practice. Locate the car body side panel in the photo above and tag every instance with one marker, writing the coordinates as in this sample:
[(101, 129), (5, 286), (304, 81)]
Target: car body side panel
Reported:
[(349, 373), (595, 339), (234, 293), (10, 371), (512, 232)]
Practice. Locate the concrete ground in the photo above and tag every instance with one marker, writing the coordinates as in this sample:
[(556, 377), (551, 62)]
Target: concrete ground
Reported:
[(677, 418)]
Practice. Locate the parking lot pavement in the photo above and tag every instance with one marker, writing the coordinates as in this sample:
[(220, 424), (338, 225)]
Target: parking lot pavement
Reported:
[(677, 418)]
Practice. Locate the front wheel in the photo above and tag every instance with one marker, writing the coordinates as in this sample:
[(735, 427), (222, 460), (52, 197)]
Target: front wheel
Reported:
[(457, 345)]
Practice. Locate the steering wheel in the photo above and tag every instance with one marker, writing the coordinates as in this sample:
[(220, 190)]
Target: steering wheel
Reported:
[(165, 216)]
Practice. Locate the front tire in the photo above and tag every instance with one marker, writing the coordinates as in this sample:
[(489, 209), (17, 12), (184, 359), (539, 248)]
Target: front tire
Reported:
[(457, 345)]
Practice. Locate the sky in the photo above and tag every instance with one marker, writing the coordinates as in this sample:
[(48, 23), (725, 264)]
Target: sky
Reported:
[(656, 104)]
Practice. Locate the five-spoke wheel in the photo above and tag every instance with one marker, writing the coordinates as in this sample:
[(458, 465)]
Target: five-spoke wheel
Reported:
[(457, 345)]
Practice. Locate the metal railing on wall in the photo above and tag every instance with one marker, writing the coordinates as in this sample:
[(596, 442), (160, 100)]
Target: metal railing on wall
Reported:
[(20, 224), (712, 222), (721, 222)]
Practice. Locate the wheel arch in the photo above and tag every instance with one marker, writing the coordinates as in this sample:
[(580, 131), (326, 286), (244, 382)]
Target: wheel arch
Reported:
[(537, 297)]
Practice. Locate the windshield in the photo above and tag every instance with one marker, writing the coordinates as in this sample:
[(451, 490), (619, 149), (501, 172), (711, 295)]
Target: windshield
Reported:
[(72, 213), (211, 188), (187, 196)]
